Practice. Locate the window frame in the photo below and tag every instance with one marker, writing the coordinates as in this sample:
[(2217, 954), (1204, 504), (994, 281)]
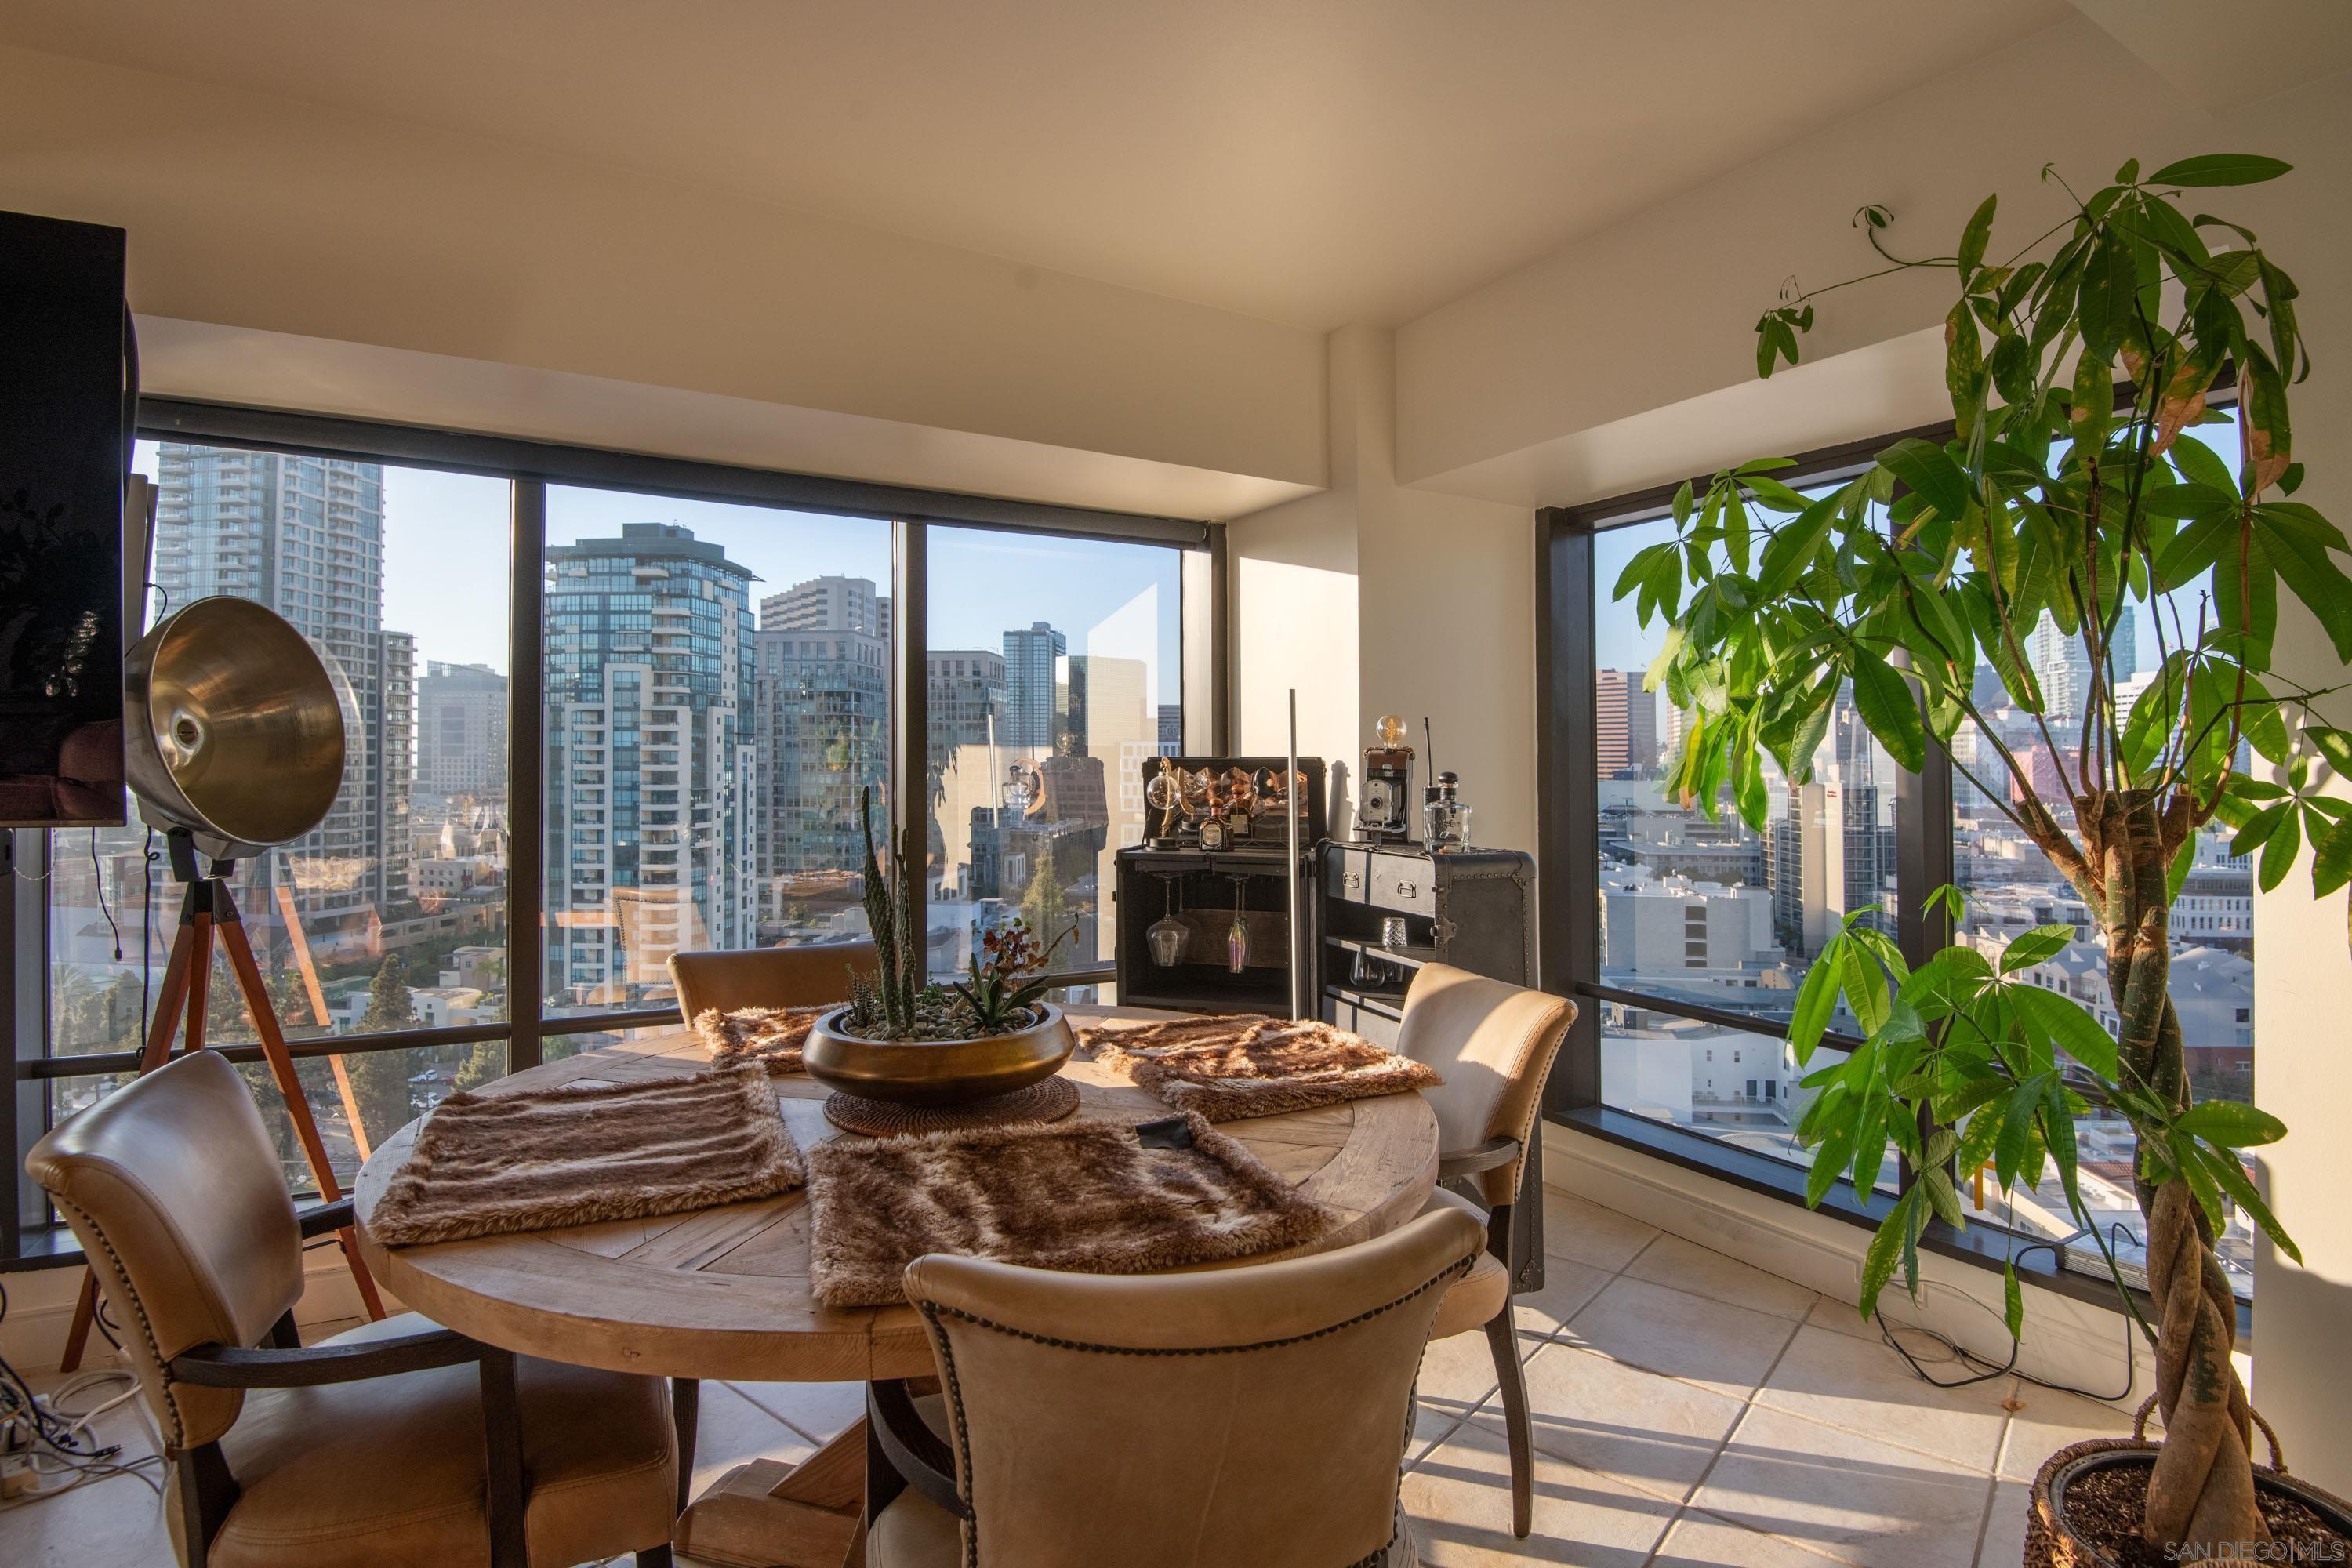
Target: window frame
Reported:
[(29, 1239)]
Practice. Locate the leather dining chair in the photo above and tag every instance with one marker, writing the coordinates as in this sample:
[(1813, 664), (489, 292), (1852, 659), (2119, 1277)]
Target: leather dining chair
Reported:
[(1493, 1043), (398, 1442), (1253, 1414), (801, 976)]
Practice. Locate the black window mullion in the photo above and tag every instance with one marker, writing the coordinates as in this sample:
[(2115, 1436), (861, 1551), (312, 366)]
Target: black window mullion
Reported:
[(1568, 829), (526, 772), (911, 726)]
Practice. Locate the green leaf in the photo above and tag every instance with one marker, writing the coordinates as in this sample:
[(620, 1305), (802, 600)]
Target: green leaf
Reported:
[(1964, 369), (2063, 1021), (2331, 862), (2012, 1298), (1943, 1199), (2280, 850), (2230, 1124), (2200, 464), (2231, 1179), (1790, 551), (1865, 984), (1886, 706), (1973, 238), (2256, 833), (2016, 1131), (2184, 501), (1895, 1234), (2032, 947), (1816, 1000), (2220, 169), (1930, 472)]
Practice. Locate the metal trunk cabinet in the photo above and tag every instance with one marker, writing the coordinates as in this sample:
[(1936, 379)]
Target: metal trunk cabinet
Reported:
[(1388, 909)]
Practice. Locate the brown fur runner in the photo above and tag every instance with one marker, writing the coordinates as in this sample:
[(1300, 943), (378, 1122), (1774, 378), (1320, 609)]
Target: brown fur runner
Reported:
[(1229, 1066), (1085, 1197), (771, 1035), (487, 1164)]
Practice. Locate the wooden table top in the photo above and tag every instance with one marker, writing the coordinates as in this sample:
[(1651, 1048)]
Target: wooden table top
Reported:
[(724, 1293)]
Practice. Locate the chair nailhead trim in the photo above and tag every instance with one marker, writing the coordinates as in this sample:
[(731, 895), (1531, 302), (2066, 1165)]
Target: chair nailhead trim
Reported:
[(137, 1316), (932, 1312)]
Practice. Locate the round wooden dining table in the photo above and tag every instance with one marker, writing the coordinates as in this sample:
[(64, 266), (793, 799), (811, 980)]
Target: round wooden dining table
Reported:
[(723, 1293)]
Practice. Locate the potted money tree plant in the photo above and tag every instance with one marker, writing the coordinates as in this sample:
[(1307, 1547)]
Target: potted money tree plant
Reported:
[(2078, 362)]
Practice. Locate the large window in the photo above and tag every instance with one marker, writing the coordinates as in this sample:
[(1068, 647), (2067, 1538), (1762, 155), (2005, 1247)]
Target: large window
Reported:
[(1701, 929), (718, 696), (390, 913), (600, 709), (1054, 676)]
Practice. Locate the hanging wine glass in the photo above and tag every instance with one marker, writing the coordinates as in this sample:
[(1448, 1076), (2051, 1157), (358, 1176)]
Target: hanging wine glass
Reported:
[(1237, 941), (1167, 935)]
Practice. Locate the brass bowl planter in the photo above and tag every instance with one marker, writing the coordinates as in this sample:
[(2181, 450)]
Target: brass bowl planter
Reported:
[(938, 1072)]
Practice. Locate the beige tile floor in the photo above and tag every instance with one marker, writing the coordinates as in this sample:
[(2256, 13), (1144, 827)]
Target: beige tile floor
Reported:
[(1688, 1410)]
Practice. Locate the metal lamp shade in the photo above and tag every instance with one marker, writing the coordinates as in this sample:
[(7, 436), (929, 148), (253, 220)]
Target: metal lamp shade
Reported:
[(235, 727)]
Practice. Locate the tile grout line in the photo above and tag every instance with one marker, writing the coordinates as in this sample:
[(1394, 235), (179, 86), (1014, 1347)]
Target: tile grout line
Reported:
[(1748, 1408)]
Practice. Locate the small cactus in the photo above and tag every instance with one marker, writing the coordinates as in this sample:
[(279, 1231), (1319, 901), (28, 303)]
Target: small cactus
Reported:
[(898, 928)]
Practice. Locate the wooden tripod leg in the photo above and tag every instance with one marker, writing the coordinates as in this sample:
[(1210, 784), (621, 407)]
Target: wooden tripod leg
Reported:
[(297, 1109), (85, 1313), (301, 946), (200, 978)]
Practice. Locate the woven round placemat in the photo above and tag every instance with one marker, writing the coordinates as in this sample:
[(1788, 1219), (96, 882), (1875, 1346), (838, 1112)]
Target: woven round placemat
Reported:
[(1049, 1100)]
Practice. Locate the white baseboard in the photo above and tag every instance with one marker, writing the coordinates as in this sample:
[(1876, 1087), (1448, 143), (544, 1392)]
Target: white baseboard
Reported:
[(41, 1303), (2074, 1343)]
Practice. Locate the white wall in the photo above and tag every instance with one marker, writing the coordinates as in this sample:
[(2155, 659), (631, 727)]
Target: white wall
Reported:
[(1372, 598)]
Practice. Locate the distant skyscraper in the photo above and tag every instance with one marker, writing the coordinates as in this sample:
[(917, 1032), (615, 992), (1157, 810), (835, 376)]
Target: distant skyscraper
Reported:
[(827, 605), (2063, 663), (1171, 729), (651, 776), (1625, 723), (968, 699), (820, 718), (304, 536), (461, 731), (1033, 671)]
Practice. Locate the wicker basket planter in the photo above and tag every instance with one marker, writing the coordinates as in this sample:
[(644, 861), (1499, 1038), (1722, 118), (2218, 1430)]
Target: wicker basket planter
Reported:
[(2049, 1544)]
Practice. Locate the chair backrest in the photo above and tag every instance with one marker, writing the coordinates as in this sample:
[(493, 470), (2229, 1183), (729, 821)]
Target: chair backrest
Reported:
[(176, 1194), (804, 976), (1494, 1043), (1252, 1414)]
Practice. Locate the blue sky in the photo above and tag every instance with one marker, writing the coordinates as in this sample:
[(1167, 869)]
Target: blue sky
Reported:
[(446, 572)]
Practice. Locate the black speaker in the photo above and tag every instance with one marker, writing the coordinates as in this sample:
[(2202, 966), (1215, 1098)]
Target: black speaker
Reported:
[(67, 399)]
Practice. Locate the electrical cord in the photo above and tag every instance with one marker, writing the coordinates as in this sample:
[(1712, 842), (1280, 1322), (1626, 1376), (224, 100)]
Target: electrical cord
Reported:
[(98, 877), (57, 1441), (1982, 1369)]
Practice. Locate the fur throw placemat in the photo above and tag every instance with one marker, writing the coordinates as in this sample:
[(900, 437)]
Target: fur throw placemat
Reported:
[(771, 1035), (487, 1164), (1228, 1066), (1087, 1195)]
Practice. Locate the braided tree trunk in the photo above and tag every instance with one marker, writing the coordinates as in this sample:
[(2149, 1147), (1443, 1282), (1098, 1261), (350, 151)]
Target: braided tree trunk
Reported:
[(2202, 1491)]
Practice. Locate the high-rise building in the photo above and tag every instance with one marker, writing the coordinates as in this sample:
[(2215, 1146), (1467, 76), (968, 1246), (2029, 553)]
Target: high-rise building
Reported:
[(2063, 663), (1035, 708), (304, 536), (1625, 723), (821, 720), (461, 731), (827, 605), (1171, 729), (968, 698), (651, 765)]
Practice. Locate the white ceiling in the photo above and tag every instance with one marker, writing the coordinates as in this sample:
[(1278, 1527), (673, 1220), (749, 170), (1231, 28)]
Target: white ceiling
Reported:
[(1313, 162)]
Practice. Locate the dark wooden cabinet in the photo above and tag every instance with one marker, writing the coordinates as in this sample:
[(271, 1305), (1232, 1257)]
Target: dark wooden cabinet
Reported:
[(1473, 908), (1205, 891)]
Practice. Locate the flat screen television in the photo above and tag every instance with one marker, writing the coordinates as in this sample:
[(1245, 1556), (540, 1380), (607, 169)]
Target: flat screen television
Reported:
[(63, 456)]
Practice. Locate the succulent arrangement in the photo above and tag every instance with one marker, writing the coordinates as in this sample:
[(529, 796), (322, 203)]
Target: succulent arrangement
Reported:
[(900, 1001)]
